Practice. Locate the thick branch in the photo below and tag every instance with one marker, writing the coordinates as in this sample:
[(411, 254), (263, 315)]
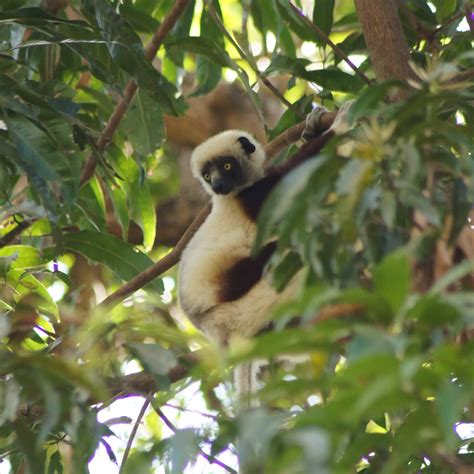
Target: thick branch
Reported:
[(293, 134), (120, 109), (385, 40)]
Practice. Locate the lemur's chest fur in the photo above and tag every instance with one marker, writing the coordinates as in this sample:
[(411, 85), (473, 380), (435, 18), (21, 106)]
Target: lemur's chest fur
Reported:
[(225, 238)]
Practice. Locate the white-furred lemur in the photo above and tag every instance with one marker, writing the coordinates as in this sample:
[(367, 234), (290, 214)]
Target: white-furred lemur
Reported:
[(222, 288)]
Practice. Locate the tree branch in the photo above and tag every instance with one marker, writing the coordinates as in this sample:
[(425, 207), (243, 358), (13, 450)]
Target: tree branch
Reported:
[(465, 75), (122, 106), (335, 311), (7, 238), (293, 134)]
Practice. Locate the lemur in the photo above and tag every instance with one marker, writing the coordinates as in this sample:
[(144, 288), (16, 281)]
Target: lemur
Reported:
[(222, 288)]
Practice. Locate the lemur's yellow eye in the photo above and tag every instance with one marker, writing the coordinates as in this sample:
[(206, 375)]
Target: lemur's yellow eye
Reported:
[(207, 176), (227, 166)]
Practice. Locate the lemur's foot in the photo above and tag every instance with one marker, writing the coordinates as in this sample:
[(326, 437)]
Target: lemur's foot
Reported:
[(313, 126)]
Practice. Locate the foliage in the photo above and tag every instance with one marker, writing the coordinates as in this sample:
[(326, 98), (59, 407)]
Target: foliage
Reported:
[(378, 221)]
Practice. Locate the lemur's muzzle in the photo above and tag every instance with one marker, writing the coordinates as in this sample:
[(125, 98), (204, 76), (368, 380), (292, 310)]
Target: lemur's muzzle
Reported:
[(221, 185)]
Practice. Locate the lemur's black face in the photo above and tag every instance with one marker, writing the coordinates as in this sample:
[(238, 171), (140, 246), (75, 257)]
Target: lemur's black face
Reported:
[(223, 173)]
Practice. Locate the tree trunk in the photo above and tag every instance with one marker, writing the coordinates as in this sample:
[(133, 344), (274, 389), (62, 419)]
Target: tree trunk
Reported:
[(385, 39)]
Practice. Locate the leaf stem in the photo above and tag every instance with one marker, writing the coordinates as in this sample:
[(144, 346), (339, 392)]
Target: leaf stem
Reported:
[(133, 433)]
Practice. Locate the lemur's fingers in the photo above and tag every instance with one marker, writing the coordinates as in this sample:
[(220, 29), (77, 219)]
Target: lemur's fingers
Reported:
[(313, 126), (341, 124)]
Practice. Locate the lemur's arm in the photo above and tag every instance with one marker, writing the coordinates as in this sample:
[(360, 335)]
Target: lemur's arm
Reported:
[(252, 198)]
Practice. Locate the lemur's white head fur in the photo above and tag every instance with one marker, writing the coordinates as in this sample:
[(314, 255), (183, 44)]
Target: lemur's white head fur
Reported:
[(228, 162)]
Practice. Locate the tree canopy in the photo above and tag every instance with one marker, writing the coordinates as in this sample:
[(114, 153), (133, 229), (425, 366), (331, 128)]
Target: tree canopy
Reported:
[(100, 104)]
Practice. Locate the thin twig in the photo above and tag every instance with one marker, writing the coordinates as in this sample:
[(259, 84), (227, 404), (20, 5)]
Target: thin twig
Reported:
[(189, 410), (122, 106), (448, 22), (14, 233), (133, 433), (210, 459), (330, 43), (335, 311), (462, 76), (249, 60)]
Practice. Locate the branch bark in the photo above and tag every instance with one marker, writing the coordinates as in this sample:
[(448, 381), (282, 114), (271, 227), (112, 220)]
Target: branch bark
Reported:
[(385, 40), (122, 106)]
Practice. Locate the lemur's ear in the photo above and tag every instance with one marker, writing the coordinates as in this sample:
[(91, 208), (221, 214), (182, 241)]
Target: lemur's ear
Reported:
[(247, 145)]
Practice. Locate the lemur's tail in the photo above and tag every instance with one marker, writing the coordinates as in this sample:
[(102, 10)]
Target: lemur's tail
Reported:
[(246, 384)]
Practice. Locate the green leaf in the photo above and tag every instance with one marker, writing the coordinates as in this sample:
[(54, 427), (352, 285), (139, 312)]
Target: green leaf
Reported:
[(35, 457), (433, 310), (156, 361), (184, 446), (369, 99), (295, 24), (368, 342), (330, 78), (392, 278), (285, 270), (444, 9), (119, 256), (24, 256), (141, 207), (92, 204), (283, 196), (143, 124), (209, 74), (52, 407), (25, 283), (139, 20), (126, 49), (33, 16), (181, 30), (290, 117), (204, 47), (453, 275), (323, 16), (55, 463), (44, 161), (451, 401)]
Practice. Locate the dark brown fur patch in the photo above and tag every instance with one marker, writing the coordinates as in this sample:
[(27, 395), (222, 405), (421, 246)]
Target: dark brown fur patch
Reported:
[(244, 274)]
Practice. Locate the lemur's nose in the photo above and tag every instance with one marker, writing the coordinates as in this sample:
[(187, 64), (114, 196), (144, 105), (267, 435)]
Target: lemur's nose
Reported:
[(221, 186)]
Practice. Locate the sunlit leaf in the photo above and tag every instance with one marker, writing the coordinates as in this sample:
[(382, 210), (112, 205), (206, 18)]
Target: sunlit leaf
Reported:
[(392, 278), (117, 255)]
